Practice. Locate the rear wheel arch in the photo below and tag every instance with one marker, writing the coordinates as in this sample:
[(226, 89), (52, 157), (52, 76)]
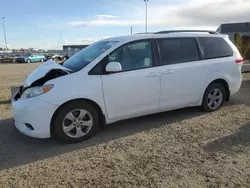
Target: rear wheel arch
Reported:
[(224, 83), (98, 108)]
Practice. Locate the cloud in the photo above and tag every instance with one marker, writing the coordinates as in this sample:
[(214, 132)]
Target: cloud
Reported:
[(205, 13), (103, 22), (104, 16), (101, 19), (47, 43), (4, 46), (192, 14), (85, 40)]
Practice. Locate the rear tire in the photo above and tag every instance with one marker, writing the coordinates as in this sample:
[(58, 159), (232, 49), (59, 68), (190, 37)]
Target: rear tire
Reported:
[(214, 97), (63, 122)]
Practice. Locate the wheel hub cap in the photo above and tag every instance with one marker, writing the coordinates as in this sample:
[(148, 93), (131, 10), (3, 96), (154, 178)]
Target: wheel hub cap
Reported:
[(77, 123), (214, 98)]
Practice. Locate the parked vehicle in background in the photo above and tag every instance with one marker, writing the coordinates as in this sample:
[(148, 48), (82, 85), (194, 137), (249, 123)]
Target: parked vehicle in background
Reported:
[(125, 77), (1, 58), (16, 56), (6, 58), (29, 58), (48, 56), (58, 57)]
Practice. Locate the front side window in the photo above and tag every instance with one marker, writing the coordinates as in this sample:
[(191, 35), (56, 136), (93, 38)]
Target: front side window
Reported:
[(178, 50), (87, 55), (215, 47), (133, 56)]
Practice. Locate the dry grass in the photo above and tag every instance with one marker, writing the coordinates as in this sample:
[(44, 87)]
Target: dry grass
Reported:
[(182, 148)]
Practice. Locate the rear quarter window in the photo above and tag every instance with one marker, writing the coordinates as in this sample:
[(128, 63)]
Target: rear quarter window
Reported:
[(178, 50), (215, 47)]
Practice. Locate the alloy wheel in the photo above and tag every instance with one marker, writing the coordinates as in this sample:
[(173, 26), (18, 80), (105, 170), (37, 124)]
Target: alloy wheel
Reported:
[(77, 123), (214, 98)]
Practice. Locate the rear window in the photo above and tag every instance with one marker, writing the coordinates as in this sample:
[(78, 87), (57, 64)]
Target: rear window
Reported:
[(178, 50), (215, 47)]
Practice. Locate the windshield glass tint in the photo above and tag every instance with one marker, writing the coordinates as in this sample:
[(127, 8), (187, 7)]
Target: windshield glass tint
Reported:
[(87, 55)]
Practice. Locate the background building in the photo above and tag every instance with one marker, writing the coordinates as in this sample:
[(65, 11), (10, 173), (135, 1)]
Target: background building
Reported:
[(72, 49), (239, 34)]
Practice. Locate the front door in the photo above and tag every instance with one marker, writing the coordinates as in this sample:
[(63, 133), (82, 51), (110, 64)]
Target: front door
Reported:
[(183, 74), (135, 90)]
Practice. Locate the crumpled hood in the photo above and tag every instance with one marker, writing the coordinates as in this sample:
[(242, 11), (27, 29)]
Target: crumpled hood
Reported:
[(42, 70)]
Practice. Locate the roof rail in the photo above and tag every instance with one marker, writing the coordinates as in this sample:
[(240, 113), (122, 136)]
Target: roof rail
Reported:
[(144, 33), (179, 31)]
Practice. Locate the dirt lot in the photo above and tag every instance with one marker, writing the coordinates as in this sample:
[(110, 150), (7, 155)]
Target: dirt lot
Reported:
[(182, 148)]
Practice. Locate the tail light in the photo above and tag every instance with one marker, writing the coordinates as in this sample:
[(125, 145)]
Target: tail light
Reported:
[(239, 60)]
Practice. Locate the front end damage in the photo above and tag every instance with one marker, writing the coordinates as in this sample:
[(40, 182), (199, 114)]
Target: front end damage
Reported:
[(45, 72)]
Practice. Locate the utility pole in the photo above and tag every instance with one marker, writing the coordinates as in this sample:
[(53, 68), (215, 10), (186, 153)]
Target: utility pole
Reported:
[(131, 30), (146, 16), (4, 33), (59, 41)]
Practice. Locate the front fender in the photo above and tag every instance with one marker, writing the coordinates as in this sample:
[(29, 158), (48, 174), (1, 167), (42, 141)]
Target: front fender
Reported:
[(75, 86)]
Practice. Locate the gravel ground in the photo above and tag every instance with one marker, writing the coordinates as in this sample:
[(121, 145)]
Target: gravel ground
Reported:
[(182, 148)]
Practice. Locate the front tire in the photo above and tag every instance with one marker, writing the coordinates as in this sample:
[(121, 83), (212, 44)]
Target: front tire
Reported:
[(75, 122), (214, 97)]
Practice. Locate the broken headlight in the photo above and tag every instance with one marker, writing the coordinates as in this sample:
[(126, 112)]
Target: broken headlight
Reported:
[(35, 91)]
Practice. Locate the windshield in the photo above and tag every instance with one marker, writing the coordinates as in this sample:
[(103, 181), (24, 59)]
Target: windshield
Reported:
[(87, 55)]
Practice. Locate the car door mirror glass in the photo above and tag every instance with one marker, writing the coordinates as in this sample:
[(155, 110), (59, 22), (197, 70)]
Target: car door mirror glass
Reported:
[(113, 67)]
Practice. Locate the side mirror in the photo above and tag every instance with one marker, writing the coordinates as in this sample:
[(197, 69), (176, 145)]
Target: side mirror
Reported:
[(113, 67)]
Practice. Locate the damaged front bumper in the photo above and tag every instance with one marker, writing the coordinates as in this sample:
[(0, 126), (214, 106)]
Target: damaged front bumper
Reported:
[(32, 116)]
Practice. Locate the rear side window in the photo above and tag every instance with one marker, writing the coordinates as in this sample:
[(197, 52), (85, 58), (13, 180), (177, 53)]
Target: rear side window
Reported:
[(215, 47), (178, 50)]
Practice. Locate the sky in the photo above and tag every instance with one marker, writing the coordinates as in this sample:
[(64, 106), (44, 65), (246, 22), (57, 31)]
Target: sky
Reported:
[(49, 24)]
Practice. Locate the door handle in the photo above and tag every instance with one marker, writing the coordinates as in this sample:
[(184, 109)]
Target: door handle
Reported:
[(152, 74), (168, 71)]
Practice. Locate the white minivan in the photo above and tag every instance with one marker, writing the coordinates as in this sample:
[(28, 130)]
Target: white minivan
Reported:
[(125, 77)]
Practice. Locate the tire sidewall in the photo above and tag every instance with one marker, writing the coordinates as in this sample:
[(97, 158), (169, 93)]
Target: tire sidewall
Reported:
[(64, 110), (204, 105)]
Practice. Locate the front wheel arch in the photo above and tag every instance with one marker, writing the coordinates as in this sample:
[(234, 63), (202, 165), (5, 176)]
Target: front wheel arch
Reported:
[(98, 108)]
